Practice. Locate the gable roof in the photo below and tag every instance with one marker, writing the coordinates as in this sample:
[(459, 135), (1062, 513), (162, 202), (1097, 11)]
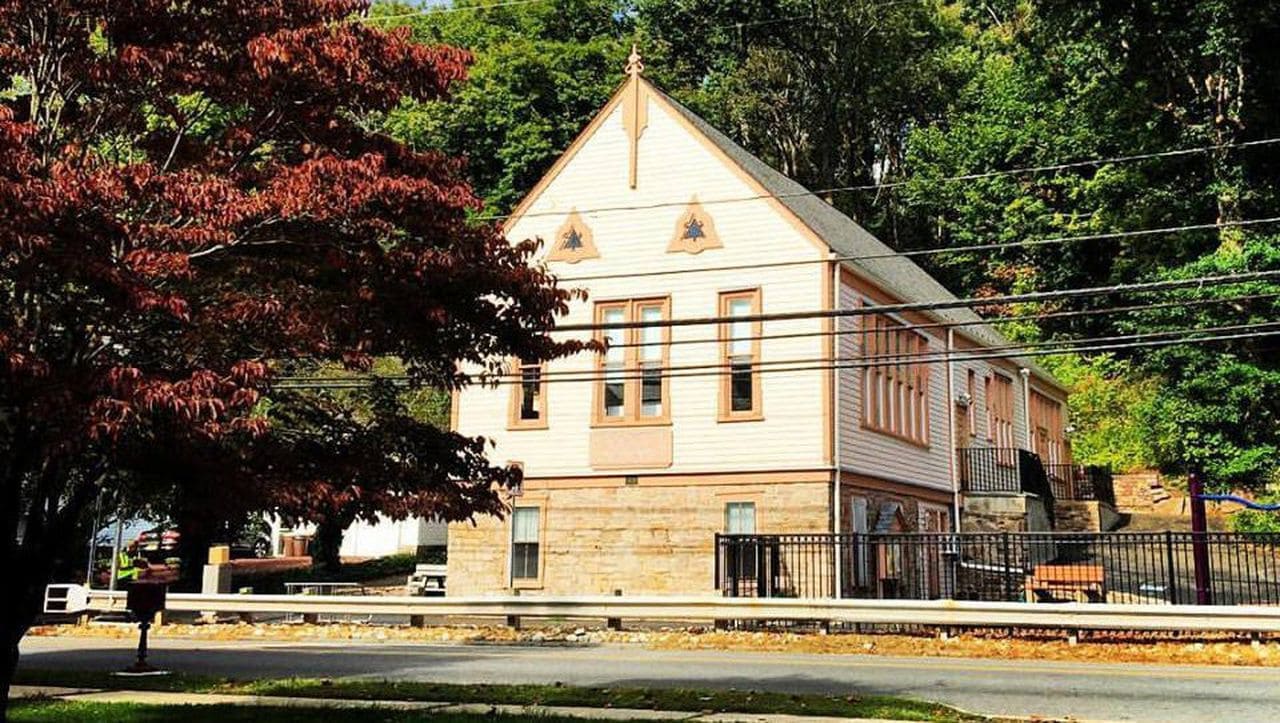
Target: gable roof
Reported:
[(891, 271)]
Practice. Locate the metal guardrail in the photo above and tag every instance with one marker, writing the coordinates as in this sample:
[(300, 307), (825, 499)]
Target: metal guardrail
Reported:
[(1065, 616)]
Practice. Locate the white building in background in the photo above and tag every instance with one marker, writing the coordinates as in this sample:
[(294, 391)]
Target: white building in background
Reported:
[(387, 537)]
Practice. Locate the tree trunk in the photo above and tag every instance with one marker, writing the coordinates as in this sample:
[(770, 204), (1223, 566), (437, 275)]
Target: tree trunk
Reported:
[(328, 542), (19, 606), (9, 663)]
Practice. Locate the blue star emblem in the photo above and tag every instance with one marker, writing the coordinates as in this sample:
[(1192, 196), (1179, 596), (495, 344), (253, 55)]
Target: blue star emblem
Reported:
[(573, 239)]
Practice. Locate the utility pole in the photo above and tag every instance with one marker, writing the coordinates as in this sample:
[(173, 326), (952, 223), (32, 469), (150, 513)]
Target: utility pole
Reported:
[(93, 540)]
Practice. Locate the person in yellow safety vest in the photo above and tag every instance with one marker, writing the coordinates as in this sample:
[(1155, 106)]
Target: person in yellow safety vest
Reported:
[(126, 569)]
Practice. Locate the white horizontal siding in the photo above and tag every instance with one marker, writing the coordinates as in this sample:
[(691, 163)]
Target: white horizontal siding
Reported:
[(672, 165)]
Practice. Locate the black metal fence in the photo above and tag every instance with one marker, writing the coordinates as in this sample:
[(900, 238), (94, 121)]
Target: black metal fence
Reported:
[(1124, 567), (1080, 482), (989, 469), (1009, 470)]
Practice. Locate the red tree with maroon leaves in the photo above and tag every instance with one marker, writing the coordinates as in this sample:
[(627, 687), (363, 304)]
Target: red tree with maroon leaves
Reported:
[(190, 201)]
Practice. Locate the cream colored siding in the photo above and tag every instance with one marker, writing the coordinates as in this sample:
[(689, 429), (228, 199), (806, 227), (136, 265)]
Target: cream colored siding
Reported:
[(880, 455), (673, 164)]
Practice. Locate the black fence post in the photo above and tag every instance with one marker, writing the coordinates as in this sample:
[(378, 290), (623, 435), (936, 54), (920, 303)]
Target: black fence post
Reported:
[(717, 571), (1171, 570), (1004, 545), (760, 572)]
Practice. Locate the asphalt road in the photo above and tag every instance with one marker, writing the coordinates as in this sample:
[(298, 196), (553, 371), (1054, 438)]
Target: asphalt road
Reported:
[(999, 687)]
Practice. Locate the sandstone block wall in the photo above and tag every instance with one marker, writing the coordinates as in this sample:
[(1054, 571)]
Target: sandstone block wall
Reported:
[(1084, 516), (1136, 492), (640, 539), (1004, 513)]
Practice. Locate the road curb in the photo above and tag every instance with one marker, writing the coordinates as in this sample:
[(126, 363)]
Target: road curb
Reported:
[(148, 697)]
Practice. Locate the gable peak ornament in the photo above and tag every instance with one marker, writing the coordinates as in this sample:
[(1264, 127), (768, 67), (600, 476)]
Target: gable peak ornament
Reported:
[(573, 241), (635, 63), (695, 231), (635, 110)]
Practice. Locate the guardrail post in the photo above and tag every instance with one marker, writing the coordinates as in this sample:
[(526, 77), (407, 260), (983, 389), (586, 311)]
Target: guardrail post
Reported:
[(513, 621), (1171, 570), (614, 623)]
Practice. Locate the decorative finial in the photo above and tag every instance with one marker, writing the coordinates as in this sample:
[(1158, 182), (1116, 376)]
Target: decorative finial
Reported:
[(635, 64)]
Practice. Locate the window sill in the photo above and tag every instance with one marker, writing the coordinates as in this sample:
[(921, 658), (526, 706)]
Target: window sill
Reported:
[(655, 422), (526, 584), (520, 427), (744, 417), (894, 435)]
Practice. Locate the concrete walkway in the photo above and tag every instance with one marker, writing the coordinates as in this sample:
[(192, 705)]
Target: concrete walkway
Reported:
[(145, 697)]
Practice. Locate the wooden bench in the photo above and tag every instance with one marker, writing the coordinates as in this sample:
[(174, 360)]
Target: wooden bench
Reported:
[(1083, 583)]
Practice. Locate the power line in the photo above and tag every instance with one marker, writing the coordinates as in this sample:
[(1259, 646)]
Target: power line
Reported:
[(1030, 297), (895, 184), (931, 251), (930, 357), (1084, 346), (1068, 313)]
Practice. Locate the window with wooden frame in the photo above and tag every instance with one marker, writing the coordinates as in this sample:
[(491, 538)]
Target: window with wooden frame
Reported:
[(1047, 429), (1000, 416), (740, 519), (971, 411), (526, 547), (528, 408), (895, 385), (633, 387), (740, 357)]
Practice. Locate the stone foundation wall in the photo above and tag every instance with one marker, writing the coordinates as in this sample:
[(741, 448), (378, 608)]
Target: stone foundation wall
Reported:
[(639, 539), (1004, 513), (1084, 516), (1134, 491)]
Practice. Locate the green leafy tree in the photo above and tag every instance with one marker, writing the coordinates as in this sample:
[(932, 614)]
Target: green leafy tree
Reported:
[(541, 71), (824, 90)]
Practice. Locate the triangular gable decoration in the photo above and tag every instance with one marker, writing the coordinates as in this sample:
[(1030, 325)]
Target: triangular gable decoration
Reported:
[(695, 231), (573, 241)]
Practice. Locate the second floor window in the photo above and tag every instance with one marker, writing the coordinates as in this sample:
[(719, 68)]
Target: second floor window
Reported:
[(740, 357), (1047, 429), (895, 385), (1000, 416), (529, 397), (633, 387), (971, 388)]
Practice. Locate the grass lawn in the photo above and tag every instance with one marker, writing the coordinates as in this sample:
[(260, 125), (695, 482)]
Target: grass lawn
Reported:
[(734, 701), (73, 712)]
